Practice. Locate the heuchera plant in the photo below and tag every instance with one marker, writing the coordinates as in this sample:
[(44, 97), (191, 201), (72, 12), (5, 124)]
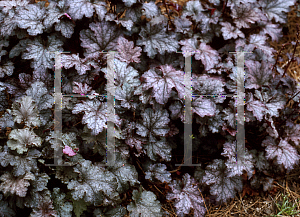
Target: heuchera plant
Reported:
[(149, 104)]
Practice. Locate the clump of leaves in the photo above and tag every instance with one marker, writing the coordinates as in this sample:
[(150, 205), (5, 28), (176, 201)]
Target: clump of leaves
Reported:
[(147, 78)]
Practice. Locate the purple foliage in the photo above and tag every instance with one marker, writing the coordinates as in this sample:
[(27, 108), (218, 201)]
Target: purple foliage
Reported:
[(149, 104)]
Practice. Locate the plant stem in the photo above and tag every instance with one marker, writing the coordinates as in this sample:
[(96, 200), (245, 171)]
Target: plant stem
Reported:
[(169, 18), (292, 97), (224, 5), (279, 54), (292, 59)]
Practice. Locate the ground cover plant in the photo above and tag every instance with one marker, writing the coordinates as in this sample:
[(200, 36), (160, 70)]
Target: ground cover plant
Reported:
[(149, 104)]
